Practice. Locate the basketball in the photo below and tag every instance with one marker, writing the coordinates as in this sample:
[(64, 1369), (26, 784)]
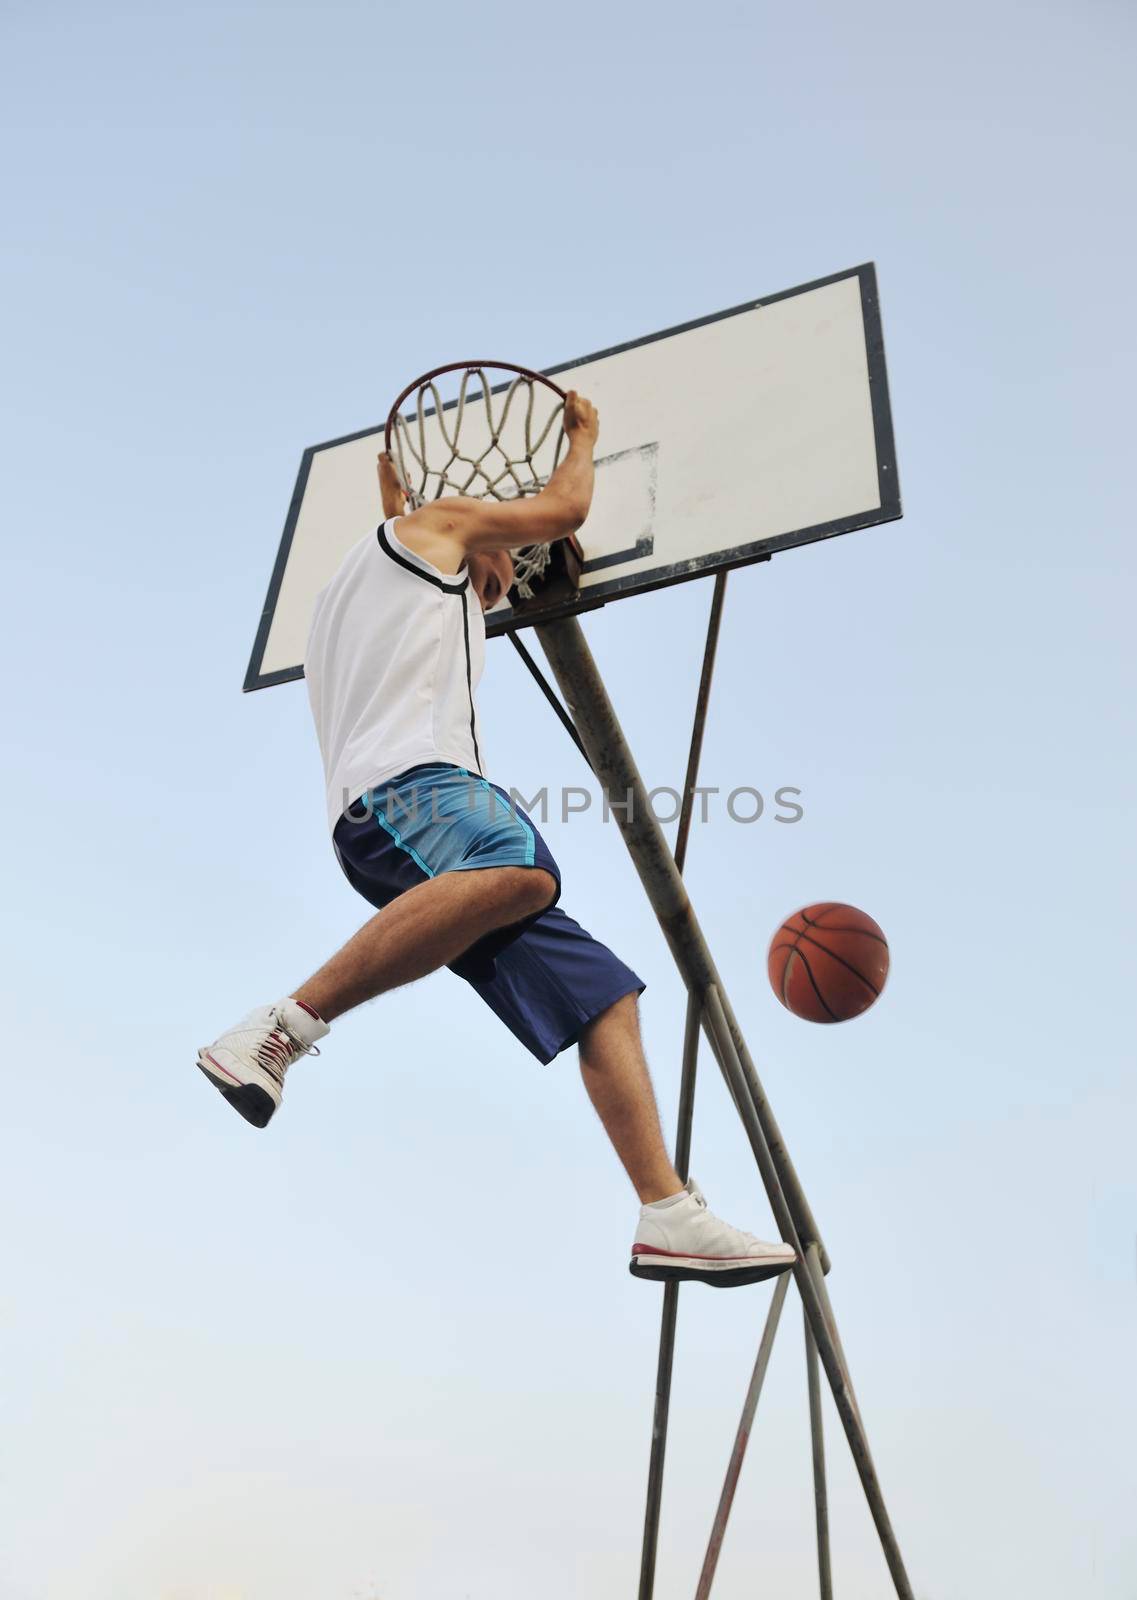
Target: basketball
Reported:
[(828, 963)]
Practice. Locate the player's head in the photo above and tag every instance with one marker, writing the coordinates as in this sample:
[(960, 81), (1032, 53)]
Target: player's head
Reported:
[(491, 574)]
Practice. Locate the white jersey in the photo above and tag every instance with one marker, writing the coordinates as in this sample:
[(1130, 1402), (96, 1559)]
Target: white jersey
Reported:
[(395, 652)]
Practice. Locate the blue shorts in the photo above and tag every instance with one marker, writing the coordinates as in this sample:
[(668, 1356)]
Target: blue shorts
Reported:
[(546, 978)]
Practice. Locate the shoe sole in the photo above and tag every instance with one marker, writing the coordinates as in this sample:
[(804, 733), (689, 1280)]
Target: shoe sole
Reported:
[(659, 1270), (254, 1104)]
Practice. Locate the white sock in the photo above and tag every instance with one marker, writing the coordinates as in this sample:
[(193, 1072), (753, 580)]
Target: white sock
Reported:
[(671, 1200)]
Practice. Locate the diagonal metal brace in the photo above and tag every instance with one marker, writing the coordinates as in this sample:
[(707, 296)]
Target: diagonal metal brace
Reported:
[(742, 1439)]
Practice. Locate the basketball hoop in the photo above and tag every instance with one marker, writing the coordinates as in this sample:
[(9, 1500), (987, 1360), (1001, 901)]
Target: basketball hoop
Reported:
[(501, 438)]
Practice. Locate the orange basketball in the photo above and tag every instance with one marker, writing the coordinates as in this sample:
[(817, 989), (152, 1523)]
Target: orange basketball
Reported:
[(828, 962)]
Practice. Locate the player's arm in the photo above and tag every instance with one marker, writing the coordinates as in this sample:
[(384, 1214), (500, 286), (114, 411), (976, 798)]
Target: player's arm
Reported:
[(562, 504), (462, 525), (390, 489)]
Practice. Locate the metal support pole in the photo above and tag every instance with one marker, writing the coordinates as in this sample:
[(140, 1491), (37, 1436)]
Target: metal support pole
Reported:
[(668, 1318), (687, 1088), (813, 1263), (702, 700), (584, 692), (741, 1439), (650, 1547), (820, 1489), (670, 1312)]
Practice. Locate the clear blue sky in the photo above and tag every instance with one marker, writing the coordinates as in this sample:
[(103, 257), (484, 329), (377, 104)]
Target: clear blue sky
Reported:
[(342, 1361)]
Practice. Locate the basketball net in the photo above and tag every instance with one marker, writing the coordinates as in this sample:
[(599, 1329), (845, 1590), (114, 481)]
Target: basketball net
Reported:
[(492, 443)]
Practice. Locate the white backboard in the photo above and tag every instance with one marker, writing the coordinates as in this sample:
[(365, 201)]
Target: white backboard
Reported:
[(721, 442)]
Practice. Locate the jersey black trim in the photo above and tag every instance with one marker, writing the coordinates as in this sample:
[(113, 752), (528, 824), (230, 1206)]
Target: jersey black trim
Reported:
[(430, 577), (470, 685)]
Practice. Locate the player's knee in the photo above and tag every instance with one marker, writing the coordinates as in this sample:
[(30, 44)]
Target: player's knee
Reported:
[(531, 889), (618, 1024), (623, 1013)]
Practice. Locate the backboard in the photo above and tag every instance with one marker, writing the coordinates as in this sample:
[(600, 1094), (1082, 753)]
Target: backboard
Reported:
[(722, 441)]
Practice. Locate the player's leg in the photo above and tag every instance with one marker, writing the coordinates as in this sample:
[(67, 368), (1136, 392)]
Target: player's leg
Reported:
[(449, 864), (423, 929), (616, 1077), (555, 985), (677, 1236)]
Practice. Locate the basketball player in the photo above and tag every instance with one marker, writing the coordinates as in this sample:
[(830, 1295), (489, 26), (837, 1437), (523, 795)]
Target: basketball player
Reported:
[(458, 874)]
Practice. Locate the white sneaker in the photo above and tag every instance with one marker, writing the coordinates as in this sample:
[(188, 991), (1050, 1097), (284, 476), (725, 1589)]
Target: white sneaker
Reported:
[(683, 1240), (249, 1062)]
